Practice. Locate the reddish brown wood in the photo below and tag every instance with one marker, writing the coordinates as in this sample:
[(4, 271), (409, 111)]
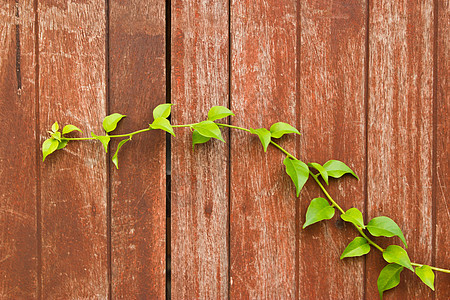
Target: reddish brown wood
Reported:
[(137, 78), (263, 91), (442, 172), (18, 251), (199, 179), (73, 181), (400, 133), (332, 118), (299, 62)]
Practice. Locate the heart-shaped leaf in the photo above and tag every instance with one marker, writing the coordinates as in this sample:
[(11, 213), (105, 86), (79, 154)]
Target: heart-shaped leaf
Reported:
[(426, 274), (197, 138), (209, 129), (353, 215), (321, 170), (55, 127), (103, 139), (115, 158), (357, 247), (336, 169), (69, 128), (279, 129), (162, 111), (398, 255), (163, 124), (389, 278), (319, 209), (219, 112), (48, 147), (57, 136), (298, 171), (110, 122), (62, 144), (264, 136), (384, 226)]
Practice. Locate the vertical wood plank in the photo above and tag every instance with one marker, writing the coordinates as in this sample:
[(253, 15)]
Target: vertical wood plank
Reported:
[(72, 90), (263, 205), (199, 179), (400, 133), (18, 251), (442, 178), (332, 118), (137, 78)]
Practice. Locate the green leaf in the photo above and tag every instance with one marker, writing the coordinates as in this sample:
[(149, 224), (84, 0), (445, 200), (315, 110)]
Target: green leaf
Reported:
[(55, 127), (57, 136), (219, 112), (384, 226), (357, 247), (298, 171), (62, 144), (353, 215), (319, 209), (279, 129), (163, 124), (48, 147), (398, 255), (197, 138), (209, 129), (426, 274), (321, 170), (115, 158), (162, 111), (110, 122), (264, 136), (389, 278), (336, 169), (70, 128), (103, 139)]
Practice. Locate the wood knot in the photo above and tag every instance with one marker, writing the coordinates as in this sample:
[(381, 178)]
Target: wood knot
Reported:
[(339, 223), (208, 209)]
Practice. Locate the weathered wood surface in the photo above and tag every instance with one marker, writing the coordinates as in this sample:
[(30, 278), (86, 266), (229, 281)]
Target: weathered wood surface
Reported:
[(138, 199), (441, 182), (332, 123), (366, 82), (73, 183), (199, 179), (400, 133), (18, 243), (263, 204)]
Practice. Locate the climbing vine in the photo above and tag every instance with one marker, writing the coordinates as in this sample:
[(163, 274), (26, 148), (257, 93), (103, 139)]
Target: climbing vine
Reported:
[(318, 210)]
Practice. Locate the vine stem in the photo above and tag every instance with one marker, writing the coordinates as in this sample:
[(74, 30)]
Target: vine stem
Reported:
[(330, 198), (184, 125), (127, 134), (111, 136), (235, 127), (433, 268), (326, 192), (358, 228), (315, 176)]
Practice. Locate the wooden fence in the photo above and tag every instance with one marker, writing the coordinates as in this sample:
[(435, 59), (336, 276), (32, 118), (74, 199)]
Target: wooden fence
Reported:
[(366, 82)]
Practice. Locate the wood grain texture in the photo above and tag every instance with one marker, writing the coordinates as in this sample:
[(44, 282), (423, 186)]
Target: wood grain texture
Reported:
[(72, 90), (18, 251), (200, 178), (332, 121), (137, 85), (400, 133), (263, 203), (442, 178)]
